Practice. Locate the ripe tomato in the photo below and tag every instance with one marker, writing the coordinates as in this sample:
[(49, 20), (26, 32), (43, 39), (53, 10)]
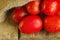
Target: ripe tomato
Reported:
[(18, 14), (30, 24), (33, 7), (58, 13), (52, 24), (59, 9), (50, 7)]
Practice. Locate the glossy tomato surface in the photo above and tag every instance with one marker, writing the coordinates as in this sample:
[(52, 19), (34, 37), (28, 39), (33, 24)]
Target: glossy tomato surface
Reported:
[(30, 24), (18, 14), (59, 9), (52, 24), (33, 7), (50, 7)]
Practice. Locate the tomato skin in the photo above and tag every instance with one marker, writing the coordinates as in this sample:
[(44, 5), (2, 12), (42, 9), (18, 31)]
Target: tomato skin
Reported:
[(52, 24), (58, 13), (30, 24), (18, 14), (59, 9), (50, 7), (33, 7)]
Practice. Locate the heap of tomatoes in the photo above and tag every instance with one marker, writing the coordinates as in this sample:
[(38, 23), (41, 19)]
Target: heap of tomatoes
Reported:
[(30, 17)]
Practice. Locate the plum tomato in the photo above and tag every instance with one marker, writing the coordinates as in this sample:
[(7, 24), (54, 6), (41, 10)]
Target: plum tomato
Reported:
[(52, 24), (30, 24), (18, 14), (50, 7), (33, 7)]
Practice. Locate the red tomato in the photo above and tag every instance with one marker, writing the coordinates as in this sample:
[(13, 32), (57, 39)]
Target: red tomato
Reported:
[(30, 24), (52, 24), (59, 9), (58, 13), (18, 14), (33, 7), (50, 7)]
